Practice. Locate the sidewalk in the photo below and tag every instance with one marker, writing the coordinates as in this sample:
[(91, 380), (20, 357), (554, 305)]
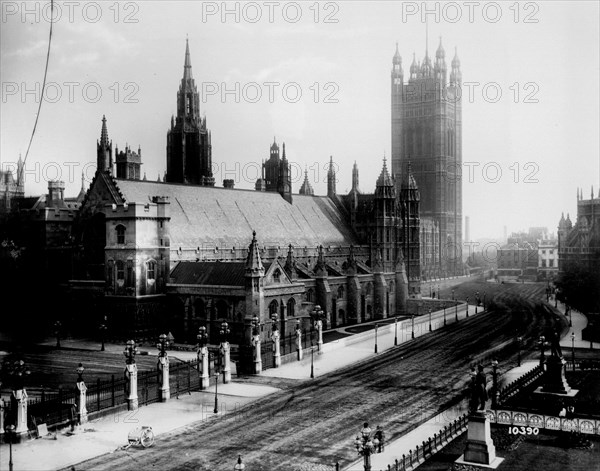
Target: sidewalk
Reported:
[(579, 322), (107, 434)]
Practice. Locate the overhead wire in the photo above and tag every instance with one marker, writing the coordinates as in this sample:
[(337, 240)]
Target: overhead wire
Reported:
[(22, 167)]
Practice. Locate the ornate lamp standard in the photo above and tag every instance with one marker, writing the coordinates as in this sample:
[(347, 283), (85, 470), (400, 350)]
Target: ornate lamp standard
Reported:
[(202, 354), (216, 409), (376, 327), (256, 344), (163, 367), (430, 329), (131, 371), (365, 446), (519, 340), (275, 338), (495, 383), (541, 343), (396, 331), (573, 349), (225, 351), (57, 326), (317, 316), (412, 320)]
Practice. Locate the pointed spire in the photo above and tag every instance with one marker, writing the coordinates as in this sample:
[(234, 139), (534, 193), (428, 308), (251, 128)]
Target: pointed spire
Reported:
[(355, 178), (397, 58), (187, 65), (144, 179), (440, 53), (592, 191), (82, 181), (254, 264), (306, 188), (104, 133), (290, 263), (456, 60), (283, 155), (321, 266), (158, 179), (384, 177)]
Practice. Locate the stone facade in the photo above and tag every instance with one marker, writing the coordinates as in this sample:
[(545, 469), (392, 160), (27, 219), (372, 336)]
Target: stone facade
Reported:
[(427, 133)]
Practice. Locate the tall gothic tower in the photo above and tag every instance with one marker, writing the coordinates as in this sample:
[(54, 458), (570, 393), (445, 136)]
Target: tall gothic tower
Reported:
[(189, 149), (427, 130)]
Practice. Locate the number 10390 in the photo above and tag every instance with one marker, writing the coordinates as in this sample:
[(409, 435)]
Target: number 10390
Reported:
[(523, 430)]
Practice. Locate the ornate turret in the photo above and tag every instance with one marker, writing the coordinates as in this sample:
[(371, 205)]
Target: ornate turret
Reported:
[(290, 264), (284, 181), (331, 179), (456, 74), (104, 160), (306, 188), (397, 71)]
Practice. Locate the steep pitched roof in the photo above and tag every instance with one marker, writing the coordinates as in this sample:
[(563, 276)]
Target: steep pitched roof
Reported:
[(225, 217), (208, 273)]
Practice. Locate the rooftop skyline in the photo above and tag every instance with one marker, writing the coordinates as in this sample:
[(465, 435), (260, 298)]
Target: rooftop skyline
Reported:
[(530, 91)]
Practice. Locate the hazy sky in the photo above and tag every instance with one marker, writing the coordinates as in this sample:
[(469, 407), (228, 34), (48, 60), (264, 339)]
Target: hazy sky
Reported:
[(125, 60)]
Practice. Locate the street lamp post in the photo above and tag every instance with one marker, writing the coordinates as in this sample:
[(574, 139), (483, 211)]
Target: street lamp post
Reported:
[(573, 349), (317, 316), (10, 433), (467, 302), (396, 331), (541, 343), (495, 383), (456, 311), (225, 352), (131, 371), (484, 294), (103, 328), (444, 307), (376, 327), (256, 345), (452, 294), (203, 356), (519, 340), (365, 446), (430, 329), (57, 325), (412, 333), (163, 367), (312, 360), (275, 337), (216, 410)]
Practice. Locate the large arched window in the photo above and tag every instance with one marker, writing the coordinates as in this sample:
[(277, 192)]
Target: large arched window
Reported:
[(340, 292), (273, 307), (291, 307), (310, 295), (120, 229)]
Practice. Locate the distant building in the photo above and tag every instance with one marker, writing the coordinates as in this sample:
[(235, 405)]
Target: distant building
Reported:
[(548, 259), (517, 262), (11, 187), (579, 243)]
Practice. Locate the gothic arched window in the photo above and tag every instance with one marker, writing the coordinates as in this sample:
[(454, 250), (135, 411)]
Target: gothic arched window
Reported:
[(309, 295), (151, 270), (291, 307)]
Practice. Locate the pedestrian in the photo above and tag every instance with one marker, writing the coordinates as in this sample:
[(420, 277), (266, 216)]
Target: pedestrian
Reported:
[(379, 435)]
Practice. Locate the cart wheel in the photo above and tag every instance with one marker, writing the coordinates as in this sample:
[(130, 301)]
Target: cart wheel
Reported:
[(147, 438)]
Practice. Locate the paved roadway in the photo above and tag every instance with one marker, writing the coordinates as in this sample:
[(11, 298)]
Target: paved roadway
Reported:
[(315, 422)]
